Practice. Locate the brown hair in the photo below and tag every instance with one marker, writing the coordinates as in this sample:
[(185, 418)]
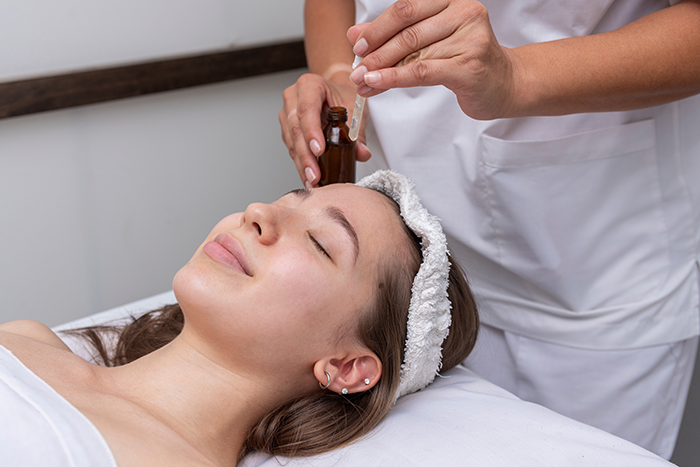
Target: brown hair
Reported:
[(322, 421)]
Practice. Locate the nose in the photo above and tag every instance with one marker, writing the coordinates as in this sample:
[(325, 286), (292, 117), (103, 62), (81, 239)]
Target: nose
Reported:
[(264, 220)]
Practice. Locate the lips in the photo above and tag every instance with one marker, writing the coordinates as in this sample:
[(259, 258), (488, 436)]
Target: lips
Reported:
[(228, 251)]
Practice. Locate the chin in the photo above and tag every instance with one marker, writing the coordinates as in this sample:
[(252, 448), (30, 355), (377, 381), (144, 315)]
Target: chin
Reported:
[(191, 286)]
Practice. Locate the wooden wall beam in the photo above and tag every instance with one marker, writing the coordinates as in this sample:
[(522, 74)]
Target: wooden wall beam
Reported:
[(89, 87)]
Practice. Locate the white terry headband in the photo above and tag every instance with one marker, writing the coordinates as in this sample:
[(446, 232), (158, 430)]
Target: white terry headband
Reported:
[(429, 311)]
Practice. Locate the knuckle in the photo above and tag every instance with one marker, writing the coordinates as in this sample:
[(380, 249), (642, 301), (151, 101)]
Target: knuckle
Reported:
[(304, 109), (283, 132), (296, 132), (410, 37), (405, 10), (410, 58), (377, 58), (286, 143), (421, 71), (289, 93), (306, 78), (476, 10), (480, 43)]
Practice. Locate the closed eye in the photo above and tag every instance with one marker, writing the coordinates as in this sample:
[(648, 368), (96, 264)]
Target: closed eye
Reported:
[(318, 246)]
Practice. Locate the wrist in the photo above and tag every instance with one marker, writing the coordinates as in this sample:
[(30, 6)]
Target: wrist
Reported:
[(526, 88), (336, 69)]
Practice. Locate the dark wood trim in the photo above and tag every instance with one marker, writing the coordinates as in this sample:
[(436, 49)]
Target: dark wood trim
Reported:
[(88, 87)]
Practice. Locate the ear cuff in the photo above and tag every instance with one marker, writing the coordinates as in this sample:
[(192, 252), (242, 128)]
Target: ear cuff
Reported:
[(328, 383)]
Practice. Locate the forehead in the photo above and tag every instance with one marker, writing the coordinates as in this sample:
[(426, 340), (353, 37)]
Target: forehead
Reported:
[(374, 216)]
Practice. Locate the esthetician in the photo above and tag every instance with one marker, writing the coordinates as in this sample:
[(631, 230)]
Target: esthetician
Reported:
[(559, 142)]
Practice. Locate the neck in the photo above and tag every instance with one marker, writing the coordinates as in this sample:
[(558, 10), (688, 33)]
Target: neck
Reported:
[(210, 406)]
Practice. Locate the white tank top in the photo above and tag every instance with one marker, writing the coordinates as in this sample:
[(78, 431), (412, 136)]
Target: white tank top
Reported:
[(39, 428)]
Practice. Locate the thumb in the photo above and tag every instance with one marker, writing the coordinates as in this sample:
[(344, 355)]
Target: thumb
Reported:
[(362, 152)]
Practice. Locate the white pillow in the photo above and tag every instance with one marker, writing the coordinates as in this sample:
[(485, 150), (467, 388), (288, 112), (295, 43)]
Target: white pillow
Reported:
[(460, 420)]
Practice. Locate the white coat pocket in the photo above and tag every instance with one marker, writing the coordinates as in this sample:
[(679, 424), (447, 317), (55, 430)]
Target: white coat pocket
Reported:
[(579, 218)]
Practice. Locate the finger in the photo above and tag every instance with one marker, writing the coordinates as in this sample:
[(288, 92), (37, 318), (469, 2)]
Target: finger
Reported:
[(298, 146), (304, 159), (361, 87), (311, 97), (289, 98), (354, 32), (284, 126), (286, 138), (366, 91), (434, 34), (397, 17), (418, 73), (362, 153)]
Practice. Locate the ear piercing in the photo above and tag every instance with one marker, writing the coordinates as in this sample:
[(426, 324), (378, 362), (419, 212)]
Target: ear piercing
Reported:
[(328, 383), (343, 391)]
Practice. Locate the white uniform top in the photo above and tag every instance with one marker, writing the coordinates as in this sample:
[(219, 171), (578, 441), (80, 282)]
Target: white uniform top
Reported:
[(581, 230)]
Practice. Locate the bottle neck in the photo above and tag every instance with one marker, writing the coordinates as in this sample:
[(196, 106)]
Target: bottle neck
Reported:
[(337, 116)]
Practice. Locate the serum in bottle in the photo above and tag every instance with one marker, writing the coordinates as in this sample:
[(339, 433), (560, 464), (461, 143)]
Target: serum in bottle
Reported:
[(337, 162)]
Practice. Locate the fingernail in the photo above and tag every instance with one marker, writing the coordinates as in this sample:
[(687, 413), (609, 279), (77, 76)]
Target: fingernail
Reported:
[(310, 177), (308, 185), (361, 47), (373, 78), (357, 74), (362, 90), (315, 148)]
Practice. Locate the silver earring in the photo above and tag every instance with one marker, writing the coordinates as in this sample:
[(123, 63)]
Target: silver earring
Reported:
[(366, 381), (344, 391), (328, 383)]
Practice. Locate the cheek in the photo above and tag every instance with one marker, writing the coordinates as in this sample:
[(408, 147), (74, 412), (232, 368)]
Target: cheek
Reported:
[(295, 283), (311, 297)]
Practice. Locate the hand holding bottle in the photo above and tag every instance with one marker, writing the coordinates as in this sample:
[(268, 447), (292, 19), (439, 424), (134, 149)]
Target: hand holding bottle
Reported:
[(305, 104)]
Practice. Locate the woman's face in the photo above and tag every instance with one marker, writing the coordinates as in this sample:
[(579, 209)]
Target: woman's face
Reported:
[(285, 282)]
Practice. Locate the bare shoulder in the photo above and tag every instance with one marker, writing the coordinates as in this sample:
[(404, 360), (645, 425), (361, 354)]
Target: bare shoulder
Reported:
[(34, 330), (137, 439)]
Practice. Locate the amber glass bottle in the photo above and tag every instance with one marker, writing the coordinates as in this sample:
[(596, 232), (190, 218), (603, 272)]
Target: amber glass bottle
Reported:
[(337, 163)]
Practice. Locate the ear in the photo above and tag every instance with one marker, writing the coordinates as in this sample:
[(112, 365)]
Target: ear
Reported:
[(350, 371)]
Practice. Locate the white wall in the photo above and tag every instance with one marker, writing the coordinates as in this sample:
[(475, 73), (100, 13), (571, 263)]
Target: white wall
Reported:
[(47, 36), (101, 204)]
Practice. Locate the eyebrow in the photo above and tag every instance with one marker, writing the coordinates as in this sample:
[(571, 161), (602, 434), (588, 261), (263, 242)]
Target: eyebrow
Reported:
[(337, 215), (302, 193)]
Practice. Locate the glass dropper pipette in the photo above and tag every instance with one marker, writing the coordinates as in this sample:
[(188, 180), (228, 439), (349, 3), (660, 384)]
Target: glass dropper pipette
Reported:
[(357, 110)]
